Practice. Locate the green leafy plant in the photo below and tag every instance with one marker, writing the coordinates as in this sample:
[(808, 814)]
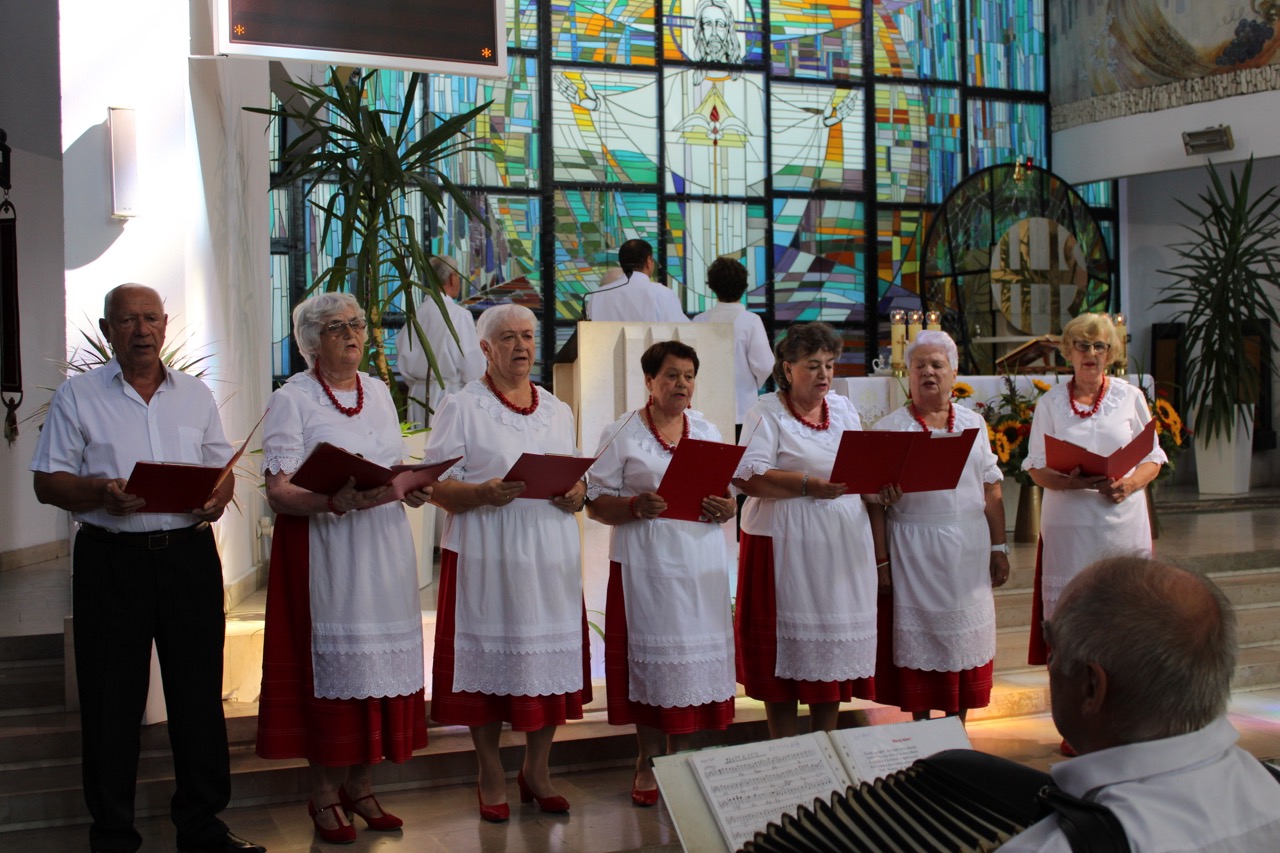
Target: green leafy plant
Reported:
[(1008, 417), (374, 160), (1227, 274)]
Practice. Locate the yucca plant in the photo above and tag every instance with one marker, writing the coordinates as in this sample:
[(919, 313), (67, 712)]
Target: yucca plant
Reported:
[(1227, 276), (373, 159)]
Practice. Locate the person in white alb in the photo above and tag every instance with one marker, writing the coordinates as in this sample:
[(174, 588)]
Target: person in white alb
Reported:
[(460, 360), (1141, 656), (752, 355), (140, 577), (637, 299)]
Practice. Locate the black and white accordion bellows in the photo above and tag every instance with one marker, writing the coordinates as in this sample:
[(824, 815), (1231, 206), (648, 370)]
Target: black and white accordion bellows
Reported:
[(957, 800)]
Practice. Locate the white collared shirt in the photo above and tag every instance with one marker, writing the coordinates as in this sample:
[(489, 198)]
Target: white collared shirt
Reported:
[(639, 300), (1193, 792), (99, 426), (460, 361), (752, 356)]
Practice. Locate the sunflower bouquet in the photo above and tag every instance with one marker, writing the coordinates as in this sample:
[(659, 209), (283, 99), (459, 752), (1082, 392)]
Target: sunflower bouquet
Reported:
[(1171, 431), (1008, 418)]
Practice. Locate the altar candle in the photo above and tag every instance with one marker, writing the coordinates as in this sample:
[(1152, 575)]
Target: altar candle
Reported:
[(933, 321), (1122, 334), (898, 337), (914, 319)]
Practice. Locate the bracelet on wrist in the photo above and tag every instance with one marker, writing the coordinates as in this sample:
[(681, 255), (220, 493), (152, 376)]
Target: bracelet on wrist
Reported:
[(804, 486), (882, 565), (332, 507)]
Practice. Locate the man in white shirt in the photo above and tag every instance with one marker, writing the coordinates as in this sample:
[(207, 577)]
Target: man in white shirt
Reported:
[(1140, 665), (140, 577), (637, 299), (460, 361), (752, 355)]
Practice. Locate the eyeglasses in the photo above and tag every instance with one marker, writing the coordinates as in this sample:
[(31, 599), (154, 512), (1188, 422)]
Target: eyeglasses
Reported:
[(1091, 346), (358, 325)]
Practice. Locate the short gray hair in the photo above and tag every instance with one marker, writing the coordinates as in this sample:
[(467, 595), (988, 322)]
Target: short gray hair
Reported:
[(1165, 636), (309, 316), (444, 267), (494, 317), (941, 340)]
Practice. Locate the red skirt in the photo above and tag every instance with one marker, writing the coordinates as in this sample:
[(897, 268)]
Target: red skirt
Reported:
[(924, 690), (617, 673), (292, 722), (1037, 649), (755, 623), (524, 713)]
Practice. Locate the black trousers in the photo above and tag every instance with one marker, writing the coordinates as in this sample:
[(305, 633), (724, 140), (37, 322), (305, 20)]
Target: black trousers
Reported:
[(126, 593)]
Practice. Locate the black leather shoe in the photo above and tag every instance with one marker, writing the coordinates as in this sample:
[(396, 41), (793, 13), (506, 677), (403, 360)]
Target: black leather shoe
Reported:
[(229, 843)]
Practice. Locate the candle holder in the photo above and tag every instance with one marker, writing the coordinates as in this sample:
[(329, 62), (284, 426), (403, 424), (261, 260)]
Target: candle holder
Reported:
[(915, 321), (1121, 365), (933, 321), (898, 341)]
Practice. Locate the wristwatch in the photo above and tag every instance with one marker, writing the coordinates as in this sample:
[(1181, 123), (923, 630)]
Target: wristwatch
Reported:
[(1003, 548)]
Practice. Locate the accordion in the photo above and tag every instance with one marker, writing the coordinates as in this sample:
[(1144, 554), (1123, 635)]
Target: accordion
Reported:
[(957, 800)]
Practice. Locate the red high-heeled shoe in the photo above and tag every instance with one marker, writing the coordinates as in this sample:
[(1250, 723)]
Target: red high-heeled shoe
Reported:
[(344, 833), (500, 813), (552, 805), (644, 799), (385, 822)]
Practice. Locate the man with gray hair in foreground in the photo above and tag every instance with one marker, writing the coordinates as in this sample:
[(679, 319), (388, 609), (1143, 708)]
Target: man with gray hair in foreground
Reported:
[(1140, 665)]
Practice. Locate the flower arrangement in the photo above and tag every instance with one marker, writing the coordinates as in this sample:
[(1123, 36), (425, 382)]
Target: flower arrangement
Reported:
[(1008, 418), (1171, 430)]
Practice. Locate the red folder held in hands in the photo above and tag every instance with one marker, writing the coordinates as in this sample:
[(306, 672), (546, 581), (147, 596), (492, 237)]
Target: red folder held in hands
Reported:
[(547, 475), (181, 486), (867, 461), (698, 469), (328, 469), (1065, 457)]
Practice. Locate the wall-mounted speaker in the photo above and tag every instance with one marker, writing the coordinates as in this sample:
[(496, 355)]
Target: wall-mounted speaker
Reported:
[(124, 162)]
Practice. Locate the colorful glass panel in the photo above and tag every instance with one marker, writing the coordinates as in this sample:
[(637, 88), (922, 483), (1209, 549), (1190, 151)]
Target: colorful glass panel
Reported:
[(714, 132), (1007, 44), (500, 263), (699, 232), (917, 39), (816, 40), (900, 236), (818, 140), (918, 157), (522, 24), (504, 139), (1098, 193), (589, 228), (1002, 132), (618, 32), (278, 213), (723, 31), (281, 314), (604, 126), (819, 256)]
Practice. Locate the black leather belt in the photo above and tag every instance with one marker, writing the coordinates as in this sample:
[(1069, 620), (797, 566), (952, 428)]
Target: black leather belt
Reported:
[(153, 541)]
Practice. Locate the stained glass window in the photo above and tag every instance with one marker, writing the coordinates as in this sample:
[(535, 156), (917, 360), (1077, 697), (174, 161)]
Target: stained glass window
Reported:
[(722, 31), (819, 260), (917, 40), (820, 41), (589, 228), (918, 156), (614, 31), (504, 139), (699, 232), (1003, 132), (500, 262), (899, 239), (1098, 194), (522, 24), (605, 126), (818, 140), (714, 129), (1007, 44)]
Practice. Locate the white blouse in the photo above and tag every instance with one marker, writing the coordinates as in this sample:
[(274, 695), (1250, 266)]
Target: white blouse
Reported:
[(518, 618), (823, 558), (675, 577)]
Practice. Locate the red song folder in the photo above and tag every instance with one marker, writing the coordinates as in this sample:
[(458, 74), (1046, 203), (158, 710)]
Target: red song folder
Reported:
[(867, 461), (181, 486), (1065, 457), (698, 469), (548, 475), (329, 467)]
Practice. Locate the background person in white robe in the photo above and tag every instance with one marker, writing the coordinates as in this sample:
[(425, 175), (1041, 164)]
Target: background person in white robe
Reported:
[(460, 360), (637, 298), (668, 631), (511, 642), (752, 356), (946, 550)]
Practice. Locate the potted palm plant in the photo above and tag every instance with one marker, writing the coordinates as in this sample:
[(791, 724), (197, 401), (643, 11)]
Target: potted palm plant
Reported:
[(375, 162), (1228, 273)]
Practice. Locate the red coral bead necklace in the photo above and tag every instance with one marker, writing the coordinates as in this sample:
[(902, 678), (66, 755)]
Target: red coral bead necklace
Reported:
[(1071, 397), (653, 428), (519, 410), (821, 425), (951, 418), (349, 411)]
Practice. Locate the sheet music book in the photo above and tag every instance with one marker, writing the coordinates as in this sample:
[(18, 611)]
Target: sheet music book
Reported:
[(917, 461), (1065, 457), (329, 467), (720, 797), (698, 469), (181, 486), (548, 475)]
